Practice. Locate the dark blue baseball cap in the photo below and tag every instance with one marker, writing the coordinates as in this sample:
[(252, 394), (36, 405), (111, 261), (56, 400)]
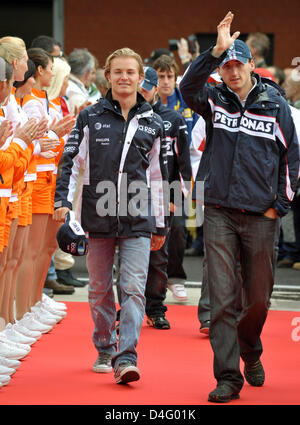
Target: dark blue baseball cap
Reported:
[(238, 51), (71, 237), (150, 79)]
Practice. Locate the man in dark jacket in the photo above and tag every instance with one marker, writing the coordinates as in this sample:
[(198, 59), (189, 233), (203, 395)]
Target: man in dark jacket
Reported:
[(249, 167), (121, 142), (180, 173)]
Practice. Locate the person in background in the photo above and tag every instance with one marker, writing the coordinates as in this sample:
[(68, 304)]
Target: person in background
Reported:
[(167, 72), (82, 64), (49, 44), (259, 45)]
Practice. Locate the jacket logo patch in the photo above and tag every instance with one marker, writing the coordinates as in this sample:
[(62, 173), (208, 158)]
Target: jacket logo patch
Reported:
[(167, 125), (98, 126), (255, 125), (146, 129)]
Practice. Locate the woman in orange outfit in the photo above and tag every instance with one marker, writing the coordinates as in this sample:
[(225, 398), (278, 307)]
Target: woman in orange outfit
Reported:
[(37, 105), (14, 51)]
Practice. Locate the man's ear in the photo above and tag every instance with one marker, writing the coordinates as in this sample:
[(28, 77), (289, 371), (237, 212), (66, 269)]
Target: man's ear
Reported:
[(141, 78)]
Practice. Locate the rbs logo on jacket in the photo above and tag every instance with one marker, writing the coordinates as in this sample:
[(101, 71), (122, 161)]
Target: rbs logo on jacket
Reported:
[(255, 125)]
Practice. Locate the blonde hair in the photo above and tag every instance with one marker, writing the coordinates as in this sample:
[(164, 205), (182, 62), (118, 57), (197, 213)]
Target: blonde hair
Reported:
[(12, 48), (60, 69), (124, 52)]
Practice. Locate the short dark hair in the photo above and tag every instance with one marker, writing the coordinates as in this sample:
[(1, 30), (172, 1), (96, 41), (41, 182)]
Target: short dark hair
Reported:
[(45, 42), (166, 63)]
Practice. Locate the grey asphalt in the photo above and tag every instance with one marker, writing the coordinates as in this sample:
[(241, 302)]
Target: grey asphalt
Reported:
[(286, 293)]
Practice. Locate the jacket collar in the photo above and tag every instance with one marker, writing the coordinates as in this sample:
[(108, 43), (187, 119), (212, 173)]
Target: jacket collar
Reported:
[(259, 93), (142, 108)]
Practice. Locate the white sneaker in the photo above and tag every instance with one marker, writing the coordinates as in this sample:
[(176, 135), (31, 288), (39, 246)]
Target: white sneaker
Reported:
[(178, 291), (27, 332), (52, 314), (14, 364), (43, 317), (13, 335), (31, 322), (59, 314), (4, 370), (4, 380), (54, 304), (10, 352), (4, 338)]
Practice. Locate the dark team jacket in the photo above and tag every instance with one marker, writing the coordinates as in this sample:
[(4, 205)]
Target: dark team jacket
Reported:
[(251, 156), (125, 165), (177, 146)]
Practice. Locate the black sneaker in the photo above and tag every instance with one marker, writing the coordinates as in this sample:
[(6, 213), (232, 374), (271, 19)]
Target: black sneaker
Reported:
[(223, 394), (158, 322), (126, 372), (204, 328), (103, 363), (254, 373)]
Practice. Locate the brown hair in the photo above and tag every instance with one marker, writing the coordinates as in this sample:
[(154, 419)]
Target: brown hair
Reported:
[(166, 63), (39, 56)]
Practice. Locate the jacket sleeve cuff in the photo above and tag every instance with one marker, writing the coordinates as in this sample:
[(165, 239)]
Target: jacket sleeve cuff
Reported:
[(281, 210), (62, 203), (21, 143), (161, 231)]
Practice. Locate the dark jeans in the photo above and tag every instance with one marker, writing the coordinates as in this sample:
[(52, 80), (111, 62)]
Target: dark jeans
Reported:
[(156, 286), (230, 234), (176, 247)]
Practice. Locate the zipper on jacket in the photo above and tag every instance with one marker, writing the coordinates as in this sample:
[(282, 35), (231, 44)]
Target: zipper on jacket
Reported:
[(1, 178)]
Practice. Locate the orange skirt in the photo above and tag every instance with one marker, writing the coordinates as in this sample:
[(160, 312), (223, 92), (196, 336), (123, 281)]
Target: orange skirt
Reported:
[(3, 211), (42, 193)]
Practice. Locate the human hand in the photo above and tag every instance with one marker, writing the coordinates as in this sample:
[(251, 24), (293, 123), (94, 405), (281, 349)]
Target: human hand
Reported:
[(157, 242), (49, 154), (28, 131), (271, 213), (48, 144), (6, 130), (42, 128), (78, 109), (63, 126), (224, 39), (60, 213), (183, 50)]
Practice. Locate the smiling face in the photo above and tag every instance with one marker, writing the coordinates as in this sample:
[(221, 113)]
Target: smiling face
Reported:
[(237, 76), (124, 76)]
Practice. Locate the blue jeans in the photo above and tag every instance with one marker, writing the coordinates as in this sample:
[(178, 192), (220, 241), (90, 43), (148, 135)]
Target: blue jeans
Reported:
[(51, 271), (230, 234), (134, 260)]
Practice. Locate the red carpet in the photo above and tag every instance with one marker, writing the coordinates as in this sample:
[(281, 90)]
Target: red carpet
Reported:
[(175, 365)]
